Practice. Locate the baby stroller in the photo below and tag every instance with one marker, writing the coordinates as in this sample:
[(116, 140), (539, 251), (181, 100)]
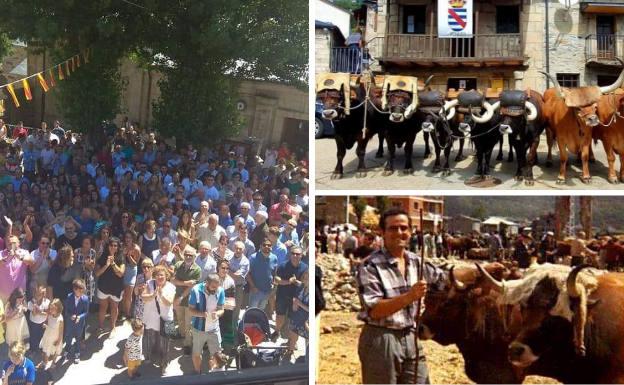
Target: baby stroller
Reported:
[(255, 347)]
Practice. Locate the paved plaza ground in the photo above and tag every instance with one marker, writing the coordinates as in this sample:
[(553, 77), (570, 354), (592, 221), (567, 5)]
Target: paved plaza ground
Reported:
[(424, 178)]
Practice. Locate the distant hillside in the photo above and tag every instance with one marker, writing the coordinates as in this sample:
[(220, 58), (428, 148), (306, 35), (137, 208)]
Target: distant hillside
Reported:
[(607, 211)]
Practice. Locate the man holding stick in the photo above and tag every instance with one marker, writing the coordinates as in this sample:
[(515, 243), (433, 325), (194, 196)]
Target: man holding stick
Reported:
[(389, 291)]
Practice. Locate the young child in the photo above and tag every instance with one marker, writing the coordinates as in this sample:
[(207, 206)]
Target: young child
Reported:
[(133, 352), (76, 310), (52, 341), (16, 325), (38, 308)]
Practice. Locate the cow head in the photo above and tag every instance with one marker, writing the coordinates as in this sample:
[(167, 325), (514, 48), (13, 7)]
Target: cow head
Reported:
[(400, 97), (335, 90), (469, 103), (584, 100), (515, 110), (432, 107), (461, 309), (545, 297)]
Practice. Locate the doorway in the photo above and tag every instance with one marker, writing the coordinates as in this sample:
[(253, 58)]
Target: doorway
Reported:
[(605, 36), (462, 83)]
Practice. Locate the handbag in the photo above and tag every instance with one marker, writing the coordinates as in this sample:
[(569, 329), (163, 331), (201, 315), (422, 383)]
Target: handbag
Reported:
[(167, 328)]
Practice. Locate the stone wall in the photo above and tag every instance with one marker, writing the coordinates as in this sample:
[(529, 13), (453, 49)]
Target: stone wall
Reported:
[(270, 107), (322, 50)]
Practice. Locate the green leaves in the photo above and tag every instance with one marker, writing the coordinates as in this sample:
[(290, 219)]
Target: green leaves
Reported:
[(208, 46)]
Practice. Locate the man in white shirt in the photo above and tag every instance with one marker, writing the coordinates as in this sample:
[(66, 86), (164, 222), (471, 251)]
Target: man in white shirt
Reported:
[(43, 258), (210, 231), (205, 260)]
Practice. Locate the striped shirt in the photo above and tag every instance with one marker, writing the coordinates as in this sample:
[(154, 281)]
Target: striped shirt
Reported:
[(203, 302), (379, 278)]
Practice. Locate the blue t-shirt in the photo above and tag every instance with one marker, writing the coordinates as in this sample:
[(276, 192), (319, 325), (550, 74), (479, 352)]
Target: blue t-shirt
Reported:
[(197, 301), (22, 374), (280, 250), (262, 270)]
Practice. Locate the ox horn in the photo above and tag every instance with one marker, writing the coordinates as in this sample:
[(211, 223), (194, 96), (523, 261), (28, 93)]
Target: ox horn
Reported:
[(449, 105), (489, 112), (456, 284), (618, 82), (571, 284), (555, 82), (384, 95), (496, 284), (532, 111), (423, 88)]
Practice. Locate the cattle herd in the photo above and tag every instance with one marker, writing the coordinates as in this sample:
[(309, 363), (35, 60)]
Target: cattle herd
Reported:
[(397, 107), (555, 321)]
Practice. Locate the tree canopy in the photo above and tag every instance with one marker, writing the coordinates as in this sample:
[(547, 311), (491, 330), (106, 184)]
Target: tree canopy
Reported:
[(203, 48)]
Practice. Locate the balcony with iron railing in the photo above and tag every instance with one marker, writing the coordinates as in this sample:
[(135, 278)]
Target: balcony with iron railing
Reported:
[(604, 49), (348, 59), (427, 50)]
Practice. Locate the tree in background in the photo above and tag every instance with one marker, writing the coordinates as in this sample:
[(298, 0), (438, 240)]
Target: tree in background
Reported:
[(359, 207), (202, 48), (382, 203)]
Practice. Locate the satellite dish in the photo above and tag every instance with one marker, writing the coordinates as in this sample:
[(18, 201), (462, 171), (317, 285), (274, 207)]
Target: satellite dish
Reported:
[(568, 3)]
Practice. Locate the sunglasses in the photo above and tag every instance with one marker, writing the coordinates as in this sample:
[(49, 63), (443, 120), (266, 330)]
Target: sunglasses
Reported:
[(297, 254), (267, 245), (44, 243), (189, 255)]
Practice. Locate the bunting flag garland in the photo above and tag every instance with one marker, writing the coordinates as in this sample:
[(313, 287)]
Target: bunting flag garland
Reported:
[(27, 92), (52, 81), (71, 64), (12, 92), (43, 83)]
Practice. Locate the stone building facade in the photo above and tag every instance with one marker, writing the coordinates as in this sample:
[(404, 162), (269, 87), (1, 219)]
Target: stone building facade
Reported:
[(509, 47), (273, 112)]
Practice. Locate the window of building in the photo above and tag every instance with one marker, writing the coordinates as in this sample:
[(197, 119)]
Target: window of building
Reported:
[(414, 19), (568, 80), (507, 19)]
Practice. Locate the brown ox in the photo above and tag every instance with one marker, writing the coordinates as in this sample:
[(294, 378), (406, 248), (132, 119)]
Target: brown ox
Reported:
[(571, 115), (460, 245), (580, 320), (611, 132)]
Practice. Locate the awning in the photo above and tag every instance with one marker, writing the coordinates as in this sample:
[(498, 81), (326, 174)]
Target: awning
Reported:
[(604, 6)]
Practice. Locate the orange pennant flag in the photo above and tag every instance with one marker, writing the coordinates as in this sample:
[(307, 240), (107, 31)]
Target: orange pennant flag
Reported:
[(12, 92), (27, 93), (61, 76), (67, 68), (77, 60), (52, 82), (86, 55), (43, 83)]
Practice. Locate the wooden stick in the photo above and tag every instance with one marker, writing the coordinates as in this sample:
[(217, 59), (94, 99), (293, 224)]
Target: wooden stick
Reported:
[(419, 304)]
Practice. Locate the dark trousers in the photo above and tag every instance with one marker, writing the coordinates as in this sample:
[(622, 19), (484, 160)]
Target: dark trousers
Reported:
[(36, 333), (74, 335), (156, 347), (389, 357)]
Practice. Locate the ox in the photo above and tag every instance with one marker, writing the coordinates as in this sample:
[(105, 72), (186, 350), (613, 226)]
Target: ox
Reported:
[(435, 115), (577, 320), (481, 128), (522, 120), (343, 100), (464, 313), (459, 245), (571, 115), (400, 98), (611, 133)]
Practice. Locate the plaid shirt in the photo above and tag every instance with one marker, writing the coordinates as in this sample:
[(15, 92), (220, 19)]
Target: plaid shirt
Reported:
[(379, 278)]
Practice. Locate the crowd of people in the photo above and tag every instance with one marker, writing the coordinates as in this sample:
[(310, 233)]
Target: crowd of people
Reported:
[(522, 249), (175, 240)]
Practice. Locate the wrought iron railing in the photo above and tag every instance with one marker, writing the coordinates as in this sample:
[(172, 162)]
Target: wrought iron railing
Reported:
[(348, 59), (604, 48)]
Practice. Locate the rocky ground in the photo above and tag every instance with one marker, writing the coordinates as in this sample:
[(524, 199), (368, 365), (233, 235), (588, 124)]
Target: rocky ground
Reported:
[(340, 329)]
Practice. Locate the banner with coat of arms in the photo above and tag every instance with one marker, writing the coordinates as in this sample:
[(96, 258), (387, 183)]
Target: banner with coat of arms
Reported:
[(455, 18)]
